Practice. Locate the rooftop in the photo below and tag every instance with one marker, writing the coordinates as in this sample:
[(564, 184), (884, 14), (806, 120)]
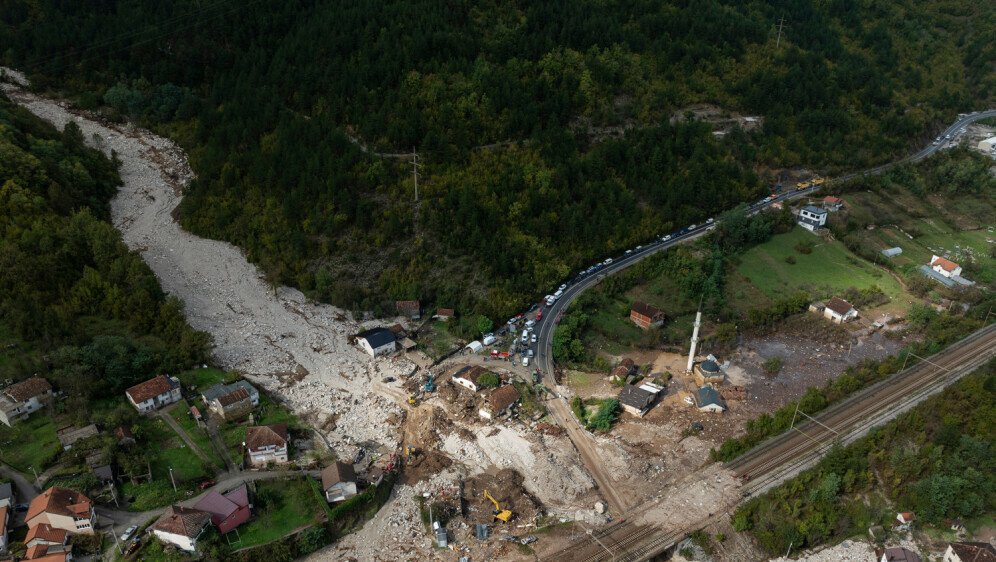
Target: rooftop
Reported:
[(840, 306), (636, 397), (974, 551), (377, 337), (221, 506), (645, 309), (184, 521), (337, 472), (28, 389), (47, 533), (220, 389), (260, 436), (814, 210), (898, 554), (151, 388), (504, 397), (235, 396), (946, 264), (60, 501), (708, 366)]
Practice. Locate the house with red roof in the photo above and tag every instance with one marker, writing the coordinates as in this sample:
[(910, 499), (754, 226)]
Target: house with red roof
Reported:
[(154, 393), (339, 482), (47, 535), (945, 266), (181, 526), (267, 443), (46, 553), (228, 510), (645, 316), (62, 508)]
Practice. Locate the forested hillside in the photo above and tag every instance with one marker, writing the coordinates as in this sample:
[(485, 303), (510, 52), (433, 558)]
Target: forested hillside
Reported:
[(269, 96), (75, 304)]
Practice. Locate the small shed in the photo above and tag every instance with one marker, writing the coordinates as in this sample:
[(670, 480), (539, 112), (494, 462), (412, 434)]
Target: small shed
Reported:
[(475, 346)]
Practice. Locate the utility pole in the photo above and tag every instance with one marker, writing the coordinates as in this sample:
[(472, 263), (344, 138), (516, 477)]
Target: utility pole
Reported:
[(35, 472), (171, 478), (114, 495), (415, 166), (781, 24)]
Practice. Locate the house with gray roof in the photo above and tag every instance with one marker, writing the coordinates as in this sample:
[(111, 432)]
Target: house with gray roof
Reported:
[(812, 218), (708, 400), (377, 341)]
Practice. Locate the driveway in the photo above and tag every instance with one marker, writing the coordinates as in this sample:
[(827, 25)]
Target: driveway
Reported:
[(25, 492)]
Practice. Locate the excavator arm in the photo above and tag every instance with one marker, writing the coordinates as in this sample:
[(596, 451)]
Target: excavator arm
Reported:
[(499, 513)]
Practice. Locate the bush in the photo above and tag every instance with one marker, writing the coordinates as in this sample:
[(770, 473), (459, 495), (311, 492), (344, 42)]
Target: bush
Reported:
[(488, 380), (804, 247), (602, 420), (577, 406), (790, 260), (772, 366)]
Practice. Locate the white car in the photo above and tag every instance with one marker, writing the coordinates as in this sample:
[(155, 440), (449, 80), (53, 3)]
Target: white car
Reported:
[(693, 227), (533, 339), (530, 323), (628, 252), (689, 400), (129, 532), (638, 248), (525, 337), (607, 262), (668, 237), (563, 287), (525, 361)]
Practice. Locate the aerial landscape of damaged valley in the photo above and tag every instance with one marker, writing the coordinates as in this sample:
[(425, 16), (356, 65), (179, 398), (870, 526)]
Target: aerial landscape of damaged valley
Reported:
[(574, 281)]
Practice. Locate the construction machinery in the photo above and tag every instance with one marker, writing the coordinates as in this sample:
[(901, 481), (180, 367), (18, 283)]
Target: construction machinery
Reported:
[(429, 387), (499, 513), (410, 451), (413, 399)]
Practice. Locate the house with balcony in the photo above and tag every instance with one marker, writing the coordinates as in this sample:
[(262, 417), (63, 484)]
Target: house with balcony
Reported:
[(267, 444), (62, 508)]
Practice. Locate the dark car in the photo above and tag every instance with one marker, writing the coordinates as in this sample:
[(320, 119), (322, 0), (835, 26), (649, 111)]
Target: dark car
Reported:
[(359, 456), (697, 427), (21, 507)]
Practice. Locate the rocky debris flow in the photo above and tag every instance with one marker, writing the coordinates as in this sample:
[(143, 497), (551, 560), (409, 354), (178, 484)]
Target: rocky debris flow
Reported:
[(257, 329), (368, 418), (550, 466)]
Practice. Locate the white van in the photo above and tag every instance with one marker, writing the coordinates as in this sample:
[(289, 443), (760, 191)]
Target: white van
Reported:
[(489, 339)]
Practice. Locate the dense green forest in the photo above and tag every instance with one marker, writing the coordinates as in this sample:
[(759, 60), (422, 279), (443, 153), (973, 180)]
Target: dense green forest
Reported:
[(276, 103), (75, 304), (936, 460)]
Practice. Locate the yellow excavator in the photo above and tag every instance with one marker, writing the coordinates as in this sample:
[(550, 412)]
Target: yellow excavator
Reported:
[(499, 513)]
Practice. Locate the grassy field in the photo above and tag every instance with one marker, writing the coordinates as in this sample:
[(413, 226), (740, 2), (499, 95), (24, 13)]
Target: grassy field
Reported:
[(197, 434), (30, 443), (824, 272), (287, 505), (201, 379), (166, 450)]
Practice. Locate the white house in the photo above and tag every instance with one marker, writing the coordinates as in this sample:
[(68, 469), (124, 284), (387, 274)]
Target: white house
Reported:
[(181, 526), (988, 144), (468, 377), (62, 508), (499, 402), (839, 311), (970, 552), (945, 267), (154, 393), (377, 341), (812, 218), (19, 400), (267, 443), (339, 482)]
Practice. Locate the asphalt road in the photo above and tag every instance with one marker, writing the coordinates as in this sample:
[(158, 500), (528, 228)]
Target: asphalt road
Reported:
[(584, 442)]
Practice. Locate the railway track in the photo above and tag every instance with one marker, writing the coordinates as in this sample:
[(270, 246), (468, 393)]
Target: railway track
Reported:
[(813, 436)]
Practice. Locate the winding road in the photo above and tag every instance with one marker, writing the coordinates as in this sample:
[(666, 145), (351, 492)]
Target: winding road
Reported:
[(559, 407)]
